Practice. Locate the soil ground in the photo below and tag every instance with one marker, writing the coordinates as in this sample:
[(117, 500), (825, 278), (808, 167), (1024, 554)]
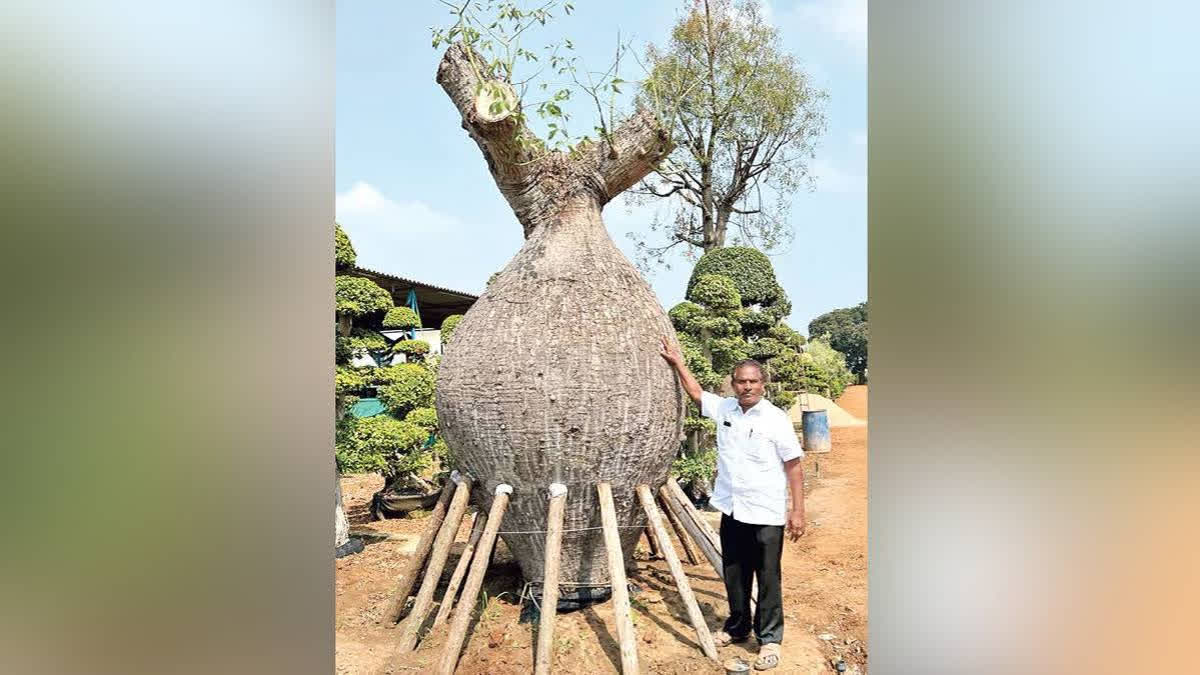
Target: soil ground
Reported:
[(824, 580)]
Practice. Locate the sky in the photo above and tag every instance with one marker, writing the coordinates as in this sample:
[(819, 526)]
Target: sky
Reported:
[(416, 198)]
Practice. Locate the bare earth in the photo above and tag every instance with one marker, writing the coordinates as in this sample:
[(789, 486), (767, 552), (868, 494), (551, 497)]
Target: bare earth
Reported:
[(824, 579)]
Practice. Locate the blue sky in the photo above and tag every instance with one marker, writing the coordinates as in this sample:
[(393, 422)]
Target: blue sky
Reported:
[(415, 196)]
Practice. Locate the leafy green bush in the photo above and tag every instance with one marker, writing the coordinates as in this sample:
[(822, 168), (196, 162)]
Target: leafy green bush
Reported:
[(404, 387), (719, 326), (383, 443), (413, 349), (782, 399), (401, 318), (683, 314), (364, 341), (848, 333), (348, 381), (343, 251), (357, 296), (697, 468), (701, 424), (426, 418), (715, 292), (448, 326), (785, 334), (726, 352), (830, 374), (749, 268), (699, 366), (766, 348)]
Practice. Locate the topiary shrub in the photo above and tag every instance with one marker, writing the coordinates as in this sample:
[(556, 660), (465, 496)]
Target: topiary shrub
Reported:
[(749, 268), (382, 443), (405, 387), (782, 398), (766, 348), (683, 314), (426, 418), (344, 256), (357, 296), (448, 326), (401, 318), (696, 470), (415, 350), (716, 292), (348, 381), (363, 341), (719, 326), (785, 334), (697, 363), (726, 352)]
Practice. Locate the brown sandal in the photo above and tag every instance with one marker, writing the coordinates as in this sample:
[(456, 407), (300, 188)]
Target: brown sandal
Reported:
[(768, 656)]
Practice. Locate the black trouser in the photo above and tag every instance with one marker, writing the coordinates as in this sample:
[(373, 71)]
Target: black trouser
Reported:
[(750, 551)]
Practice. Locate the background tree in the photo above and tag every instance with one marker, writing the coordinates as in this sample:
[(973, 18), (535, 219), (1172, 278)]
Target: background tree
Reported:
[(848, 333), (734, 310), (745, 118)]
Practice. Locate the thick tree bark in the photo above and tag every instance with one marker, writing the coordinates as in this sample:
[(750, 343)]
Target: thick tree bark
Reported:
[(554, 374), (341, 525)]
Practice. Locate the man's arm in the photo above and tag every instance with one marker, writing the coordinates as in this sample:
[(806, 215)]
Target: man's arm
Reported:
[(673, 357), (794, 468)]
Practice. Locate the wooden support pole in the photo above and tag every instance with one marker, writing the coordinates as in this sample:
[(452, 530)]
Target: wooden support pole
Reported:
[(691, 509), (462, 617), (693, 530), (689, 547), (460, 570), (703, 636), (616, 574), (399, 596), (549, 608), (652, 542), (433, 572)]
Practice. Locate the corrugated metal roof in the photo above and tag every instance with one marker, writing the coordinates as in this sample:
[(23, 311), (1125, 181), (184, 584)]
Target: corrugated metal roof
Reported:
[(413, 282)]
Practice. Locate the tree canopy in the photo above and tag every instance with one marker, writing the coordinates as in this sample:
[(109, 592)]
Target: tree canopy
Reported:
[(848, 333), (745, 118)]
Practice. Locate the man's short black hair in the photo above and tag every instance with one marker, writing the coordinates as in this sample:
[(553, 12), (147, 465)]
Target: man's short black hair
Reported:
[(762, 370)]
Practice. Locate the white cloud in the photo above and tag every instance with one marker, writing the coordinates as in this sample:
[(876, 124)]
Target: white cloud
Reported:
[(409, 239), (844, 19), (832, 179), (363, 207)]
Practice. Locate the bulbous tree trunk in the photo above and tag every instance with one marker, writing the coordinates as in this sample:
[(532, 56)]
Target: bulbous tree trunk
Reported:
[(554, 374)]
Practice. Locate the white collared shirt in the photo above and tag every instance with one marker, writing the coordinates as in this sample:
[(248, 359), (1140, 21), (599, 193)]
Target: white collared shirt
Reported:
[(751, 449)]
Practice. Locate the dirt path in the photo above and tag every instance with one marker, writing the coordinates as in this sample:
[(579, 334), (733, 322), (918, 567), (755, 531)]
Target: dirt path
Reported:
[(824, 577)]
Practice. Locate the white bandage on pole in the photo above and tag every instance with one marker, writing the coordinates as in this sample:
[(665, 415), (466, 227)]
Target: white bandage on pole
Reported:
[(457, 477), (503, 489), (557, 490)]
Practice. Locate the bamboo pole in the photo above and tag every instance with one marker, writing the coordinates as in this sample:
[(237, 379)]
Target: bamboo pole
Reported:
[(460, 570), (616, 574), (691, 509), (706, 547), (433, 571), (462, 617), (407, 578), (689, 547), (703, 636), (549, 608)]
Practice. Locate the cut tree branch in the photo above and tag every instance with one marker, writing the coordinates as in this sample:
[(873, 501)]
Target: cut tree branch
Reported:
[(631, 153)]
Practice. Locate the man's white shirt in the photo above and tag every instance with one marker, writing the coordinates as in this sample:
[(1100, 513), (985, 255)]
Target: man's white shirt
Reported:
[(751, 449)]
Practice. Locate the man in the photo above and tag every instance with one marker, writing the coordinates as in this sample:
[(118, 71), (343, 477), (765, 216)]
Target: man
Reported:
[(758, 463)]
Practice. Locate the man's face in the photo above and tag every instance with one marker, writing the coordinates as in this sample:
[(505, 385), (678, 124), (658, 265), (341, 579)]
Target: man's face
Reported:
[(747, 386)]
